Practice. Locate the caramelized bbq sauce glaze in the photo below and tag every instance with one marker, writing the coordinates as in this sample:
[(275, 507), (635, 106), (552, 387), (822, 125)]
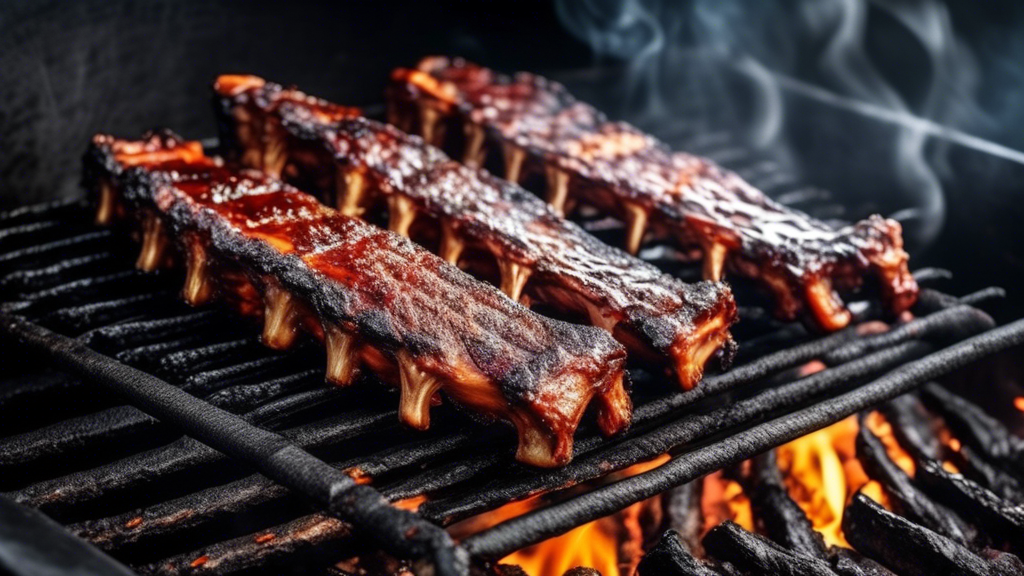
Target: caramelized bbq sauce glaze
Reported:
[(644, 308), (410, 317), (623, 171)]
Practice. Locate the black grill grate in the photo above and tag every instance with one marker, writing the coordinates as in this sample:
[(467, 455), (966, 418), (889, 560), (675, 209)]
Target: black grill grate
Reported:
[(166, 503)]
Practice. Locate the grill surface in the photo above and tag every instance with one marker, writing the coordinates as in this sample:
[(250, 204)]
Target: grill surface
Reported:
[(166, 503)]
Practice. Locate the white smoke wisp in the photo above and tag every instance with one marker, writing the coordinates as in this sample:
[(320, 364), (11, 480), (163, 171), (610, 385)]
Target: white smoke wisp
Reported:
[(816, 48)]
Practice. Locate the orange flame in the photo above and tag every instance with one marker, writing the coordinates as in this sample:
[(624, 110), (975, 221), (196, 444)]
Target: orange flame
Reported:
[(723, 499), (611, 545), (1018, 403)]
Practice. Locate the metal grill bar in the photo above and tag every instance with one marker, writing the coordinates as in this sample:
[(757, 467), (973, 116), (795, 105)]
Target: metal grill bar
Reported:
[(396, 530), (537, 526)]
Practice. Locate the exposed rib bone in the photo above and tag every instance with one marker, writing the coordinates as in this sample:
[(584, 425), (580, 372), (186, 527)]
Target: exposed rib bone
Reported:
[(825, 305), (514, 157), (451, 244), (418, 389), (275, 154), (350, 187), (401, 213), (474, 154), (513, 278), (430, 127), (154, 244), (280, 318), (714, 261), (636, 226), (558, 188), (198, 288), (342, 356), (105, 206)]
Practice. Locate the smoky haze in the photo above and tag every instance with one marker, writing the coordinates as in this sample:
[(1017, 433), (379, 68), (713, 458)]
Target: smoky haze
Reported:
[(901, 62)]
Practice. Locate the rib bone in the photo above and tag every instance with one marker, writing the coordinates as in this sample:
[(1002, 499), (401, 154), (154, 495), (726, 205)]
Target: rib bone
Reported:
[(452, 244), (275, 152), (418, 388), (198, 288), (474, 154), (401, 213), (558, 188), (714, 261), (342, 356), (826, 305), (154, 244), (351, 187), (105, 205), (514, 157), (513, 277), (636, 226), (280, 319), (430, 127)]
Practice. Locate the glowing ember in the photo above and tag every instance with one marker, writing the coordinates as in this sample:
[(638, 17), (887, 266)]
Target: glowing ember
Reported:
[(881, 428), (815, 469), (723, 499), (1018, 403), (611, 545)]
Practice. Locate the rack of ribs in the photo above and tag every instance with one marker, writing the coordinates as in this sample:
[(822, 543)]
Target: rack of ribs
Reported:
[(377, 300), (476, 220), (539, 127)]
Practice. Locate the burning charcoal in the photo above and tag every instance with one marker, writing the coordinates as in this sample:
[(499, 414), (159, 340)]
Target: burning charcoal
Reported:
[(670, 558), (848, 562), (509, 570), (996, 515), (976, 467), (906, 497), (913, 550), (777, 515), (912, 426), (581, 571), (683, 515), (753, 553), (973, 426)]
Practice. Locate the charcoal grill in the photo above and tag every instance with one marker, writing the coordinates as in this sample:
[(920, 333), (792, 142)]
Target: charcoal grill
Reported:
[(169, 438)]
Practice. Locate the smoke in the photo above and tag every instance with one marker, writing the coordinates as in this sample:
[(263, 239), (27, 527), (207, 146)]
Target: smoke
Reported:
[(897, 61)]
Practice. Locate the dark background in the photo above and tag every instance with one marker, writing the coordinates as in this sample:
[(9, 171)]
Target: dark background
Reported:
[(778, 74)]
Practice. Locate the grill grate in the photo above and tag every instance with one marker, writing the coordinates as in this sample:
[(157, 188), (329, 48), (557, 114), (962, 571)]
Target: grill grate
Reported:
[(166, 503)]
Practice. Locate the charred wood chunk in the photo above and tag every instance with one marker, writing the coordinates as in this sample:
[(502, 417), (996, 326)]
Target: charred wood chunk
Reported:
[(978, 468), (683, 516), (913, 426), (776, 513), (670, 558), (753, 553), (999, 518), (912, 550), (849, 563), (907, 498), (971, 425)]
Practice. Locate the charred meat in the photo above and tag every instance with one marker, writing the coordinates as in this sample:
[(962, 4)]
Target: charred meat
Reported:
[(355, 163), (378, 301), (537, 125)]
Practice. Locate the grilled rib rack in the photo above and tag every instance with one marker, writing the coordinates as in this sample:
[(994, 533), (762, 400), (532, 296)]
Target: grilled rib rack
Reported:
[(166, 503)]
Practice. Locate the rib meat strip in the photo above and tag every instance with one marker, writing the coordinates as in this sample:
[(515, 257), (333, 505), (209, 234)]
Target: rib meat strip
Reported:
[(377, 300), (356, 163), (538, 126)]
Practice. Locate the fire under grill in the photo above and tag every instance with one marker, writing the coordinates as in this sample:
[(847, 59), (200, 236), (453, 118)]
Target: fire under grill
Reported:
[(170, 438)]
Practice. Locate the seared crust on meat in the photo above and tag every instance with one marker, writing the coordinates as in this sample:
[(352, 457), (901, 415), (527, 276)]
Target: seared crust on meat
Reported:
[(622, 171), (356, 163), (379, 301)]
